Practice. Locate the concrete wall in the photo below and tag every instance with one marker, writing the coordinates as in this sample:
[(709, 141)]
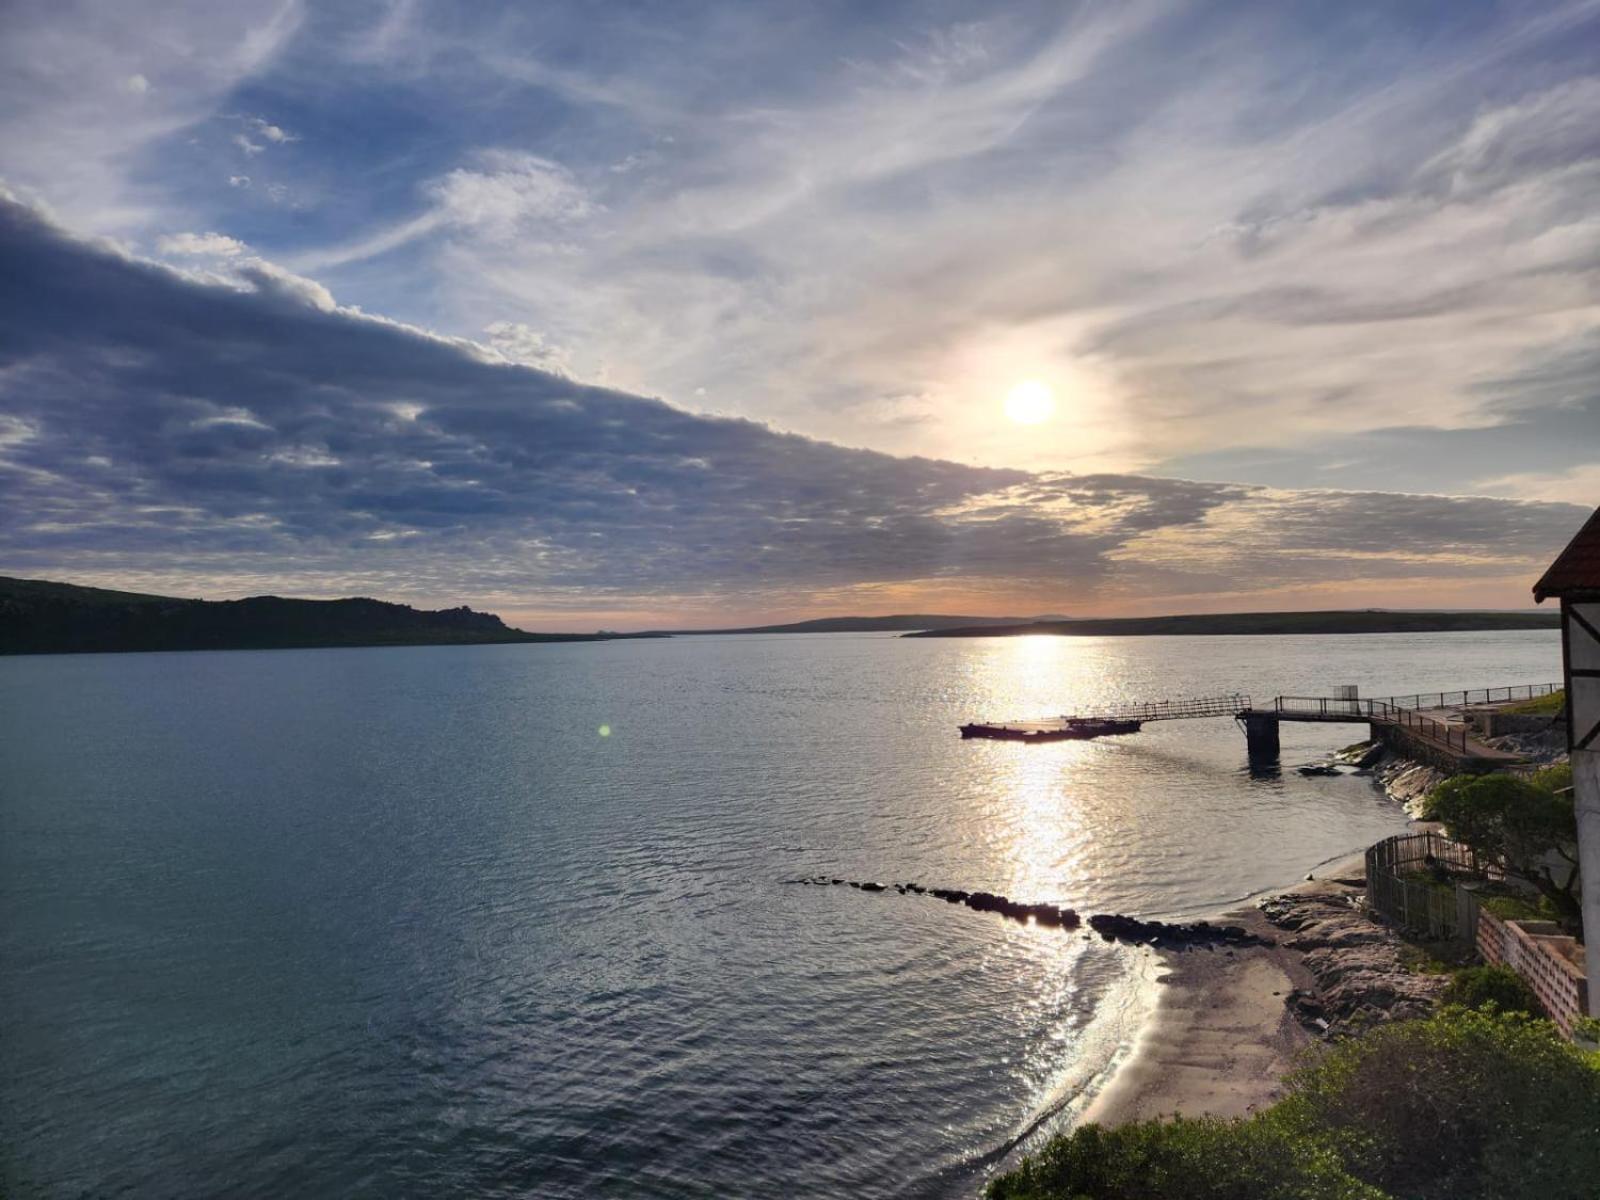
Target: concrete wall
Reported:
[(1497, 724), (1398, 739)]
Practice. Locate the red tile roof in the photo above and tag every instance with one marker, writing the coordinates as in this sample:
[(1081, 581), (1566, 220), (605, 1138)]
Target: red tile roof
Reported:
[(1576, 569)]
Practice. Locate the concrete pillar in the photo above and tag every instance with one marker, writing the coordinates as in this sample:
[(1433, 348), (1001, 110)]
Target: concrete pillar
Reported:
[(1586, 799), (1261, 737)]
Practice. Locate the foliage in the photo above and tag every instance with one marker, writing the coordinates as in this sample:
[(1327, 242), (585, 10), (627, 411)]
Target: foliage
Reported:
[(1509, 907), (1464, 1104), (1418, 960), (1182, 1159), (1517, 825), (1478, 987), (1586, 1028), (1554, 778), (1469, 1105), (1539, 706)]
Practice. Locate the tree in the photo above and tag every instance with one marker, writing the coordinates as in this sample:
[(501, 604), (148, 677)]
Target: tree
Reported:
[(1523, 827)]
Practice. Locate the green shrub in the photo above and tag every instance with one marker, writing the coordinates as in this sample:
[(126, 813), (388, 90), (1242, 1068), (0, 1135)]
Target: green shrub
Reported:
[(1478, 987), (1510, 907), (1464, 1104), (1554, 778), (1182, 1159)]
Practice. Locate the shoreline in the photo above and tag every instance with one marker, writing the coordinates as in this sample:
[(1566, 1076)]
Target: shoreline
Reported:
[(1221, 1034), (1226, 1027)]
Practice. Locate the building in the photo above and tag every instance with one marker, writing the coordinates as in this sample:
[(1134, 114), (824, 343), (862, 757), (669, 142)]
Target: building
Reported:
[(1574, 579)]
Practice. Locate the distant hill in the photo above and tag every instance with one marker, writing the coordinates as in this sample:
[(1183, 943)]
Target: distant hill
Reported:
[(892, 624), (1264, 623), (40, 617)]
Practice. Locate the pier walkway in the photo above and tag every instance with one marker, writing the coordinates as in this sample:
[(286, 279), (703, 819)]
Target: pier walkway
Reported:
[(1440, 735), (1431, 725), (1112, 719)]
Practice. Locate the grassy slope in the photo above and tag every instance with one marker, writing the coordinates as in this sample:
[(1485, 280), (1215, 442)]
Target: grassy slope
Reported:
[(1539, 706)]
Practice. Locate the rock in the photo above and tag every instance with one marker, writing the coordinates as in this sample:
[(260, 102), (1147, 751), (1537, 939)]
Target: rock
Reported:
[(1355, 962), (872, 887)]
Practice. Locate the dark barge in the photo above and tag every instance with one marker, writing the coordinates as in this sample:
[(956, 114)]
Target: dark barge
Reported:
[(1065, 729)]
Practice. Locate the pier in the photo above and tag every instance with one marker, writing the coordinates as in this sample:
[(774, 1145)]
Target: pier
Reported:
[(1111, 720), (1432, 726)]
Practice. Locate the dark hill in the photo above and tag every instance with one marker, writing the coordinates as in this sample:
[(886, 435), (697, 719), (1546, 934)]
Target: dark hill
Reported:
[(1263, 623), (41, 617)]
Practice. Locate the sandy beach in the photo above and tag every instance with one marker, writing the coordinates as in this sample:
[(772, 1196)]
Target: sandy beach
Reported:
[(1221, 1036)]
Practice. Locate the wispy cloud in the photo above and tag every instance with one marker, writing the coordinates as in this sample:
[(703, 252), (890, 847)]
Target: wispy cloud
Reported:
[(504, 195), (955, 208)]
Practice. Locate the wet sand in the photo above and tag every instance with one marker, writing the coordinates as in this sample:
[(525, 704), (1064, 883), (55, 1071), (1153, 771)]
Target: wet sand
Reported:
[(1221, 1037)]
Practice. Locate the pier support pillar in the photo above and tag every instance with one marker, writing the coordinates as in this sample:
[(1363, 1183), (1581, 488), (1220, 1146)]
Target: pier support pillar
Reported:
[(1261, 737)]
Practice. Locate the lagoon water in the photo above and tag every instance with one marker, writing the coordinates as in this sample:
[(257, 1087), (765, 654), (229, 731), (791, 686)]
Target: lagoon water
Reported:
[(511, 921)]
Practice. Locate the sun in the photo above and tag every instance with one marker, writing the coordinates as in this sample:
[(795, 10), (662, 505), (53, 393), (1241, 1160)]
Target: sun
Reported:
[(1030, 403)]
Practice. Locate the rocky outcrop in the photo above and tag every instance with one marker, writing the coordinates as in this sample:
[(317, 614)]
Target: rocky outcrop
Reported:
[(1160, 933), (1408, 782), (1111, 926), (1361, 976)]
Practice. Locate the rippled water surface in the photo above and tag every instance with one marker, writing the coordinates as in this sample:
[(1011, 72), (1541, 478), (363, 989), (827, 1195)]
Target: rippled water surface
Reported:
[(402, 922)]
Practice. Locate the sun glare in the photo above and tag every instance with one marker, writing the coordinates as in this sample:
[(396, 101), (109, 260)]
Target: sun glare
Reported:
[(1030, 403)]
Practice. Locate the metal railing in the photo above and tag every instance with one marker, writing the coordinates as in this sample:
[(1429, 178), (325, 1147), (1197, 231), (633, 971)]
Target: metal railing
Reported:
[(1430, 908), (1496, 695), (1169, 710), (1324, 709)]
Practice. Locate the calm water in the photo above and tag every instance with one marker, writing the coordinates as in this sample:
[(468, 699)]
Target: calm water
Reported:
[(402, 923)]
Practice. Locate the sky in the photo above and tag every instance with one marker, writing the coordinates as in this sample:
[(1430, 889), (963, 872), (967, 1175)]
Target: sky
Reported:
[(634, 315)]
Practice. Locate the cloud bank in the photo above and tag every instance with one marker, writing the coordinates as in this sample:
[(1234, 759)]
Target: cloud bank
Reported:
[(233, 429)]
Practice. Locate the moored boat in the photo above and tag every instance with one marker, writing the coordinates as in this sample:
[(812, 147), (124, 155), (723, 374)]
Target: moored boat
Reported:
[(1066, 729)]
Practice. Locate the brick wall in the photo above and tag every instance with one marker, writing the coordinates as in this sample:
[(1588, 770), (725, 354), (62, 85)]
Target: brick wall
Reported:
[(1543, 956)]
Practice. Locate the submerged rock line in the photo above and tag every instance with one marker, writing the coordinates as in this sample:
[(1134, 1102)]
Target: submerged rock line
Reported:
[(1111, 926)]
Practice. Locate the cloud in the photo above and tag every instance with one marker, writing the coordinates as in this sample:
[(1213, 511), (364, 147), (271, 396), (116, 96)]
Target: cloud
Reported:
[(213, 245), (868, 223), (504, 195), (862, 211), (67, 127), (1577, 485), (522, 343), (248, 428), (272, 133)]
